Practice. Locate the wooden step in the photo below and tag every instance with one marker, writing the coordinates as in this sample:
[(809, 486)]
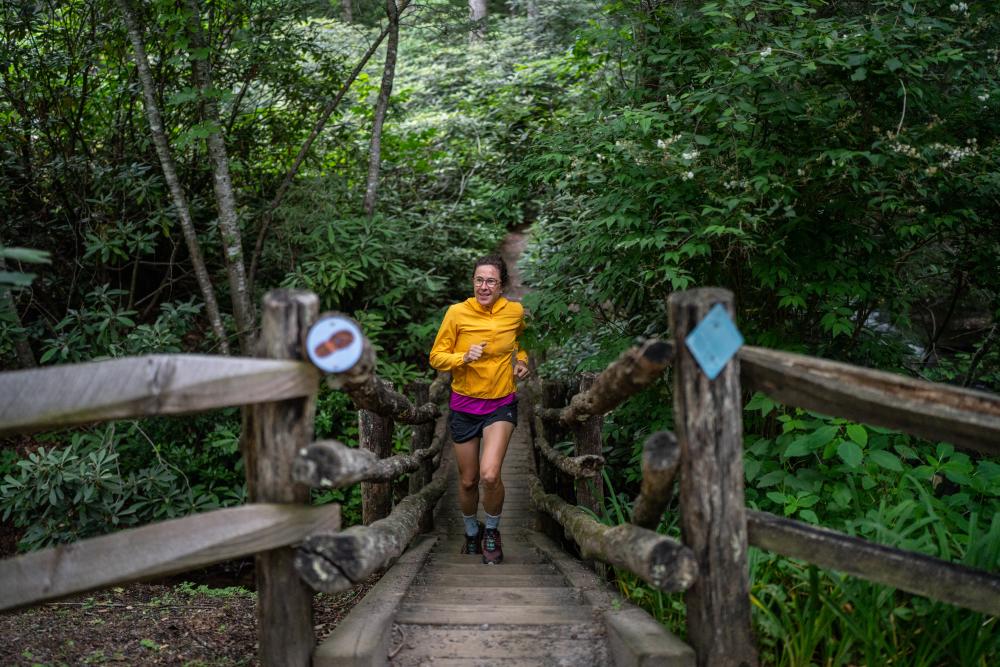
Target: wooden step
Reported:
[(509, 558), (510, 581), (475, 569), (494, 614), (494, 595), (574, 644)]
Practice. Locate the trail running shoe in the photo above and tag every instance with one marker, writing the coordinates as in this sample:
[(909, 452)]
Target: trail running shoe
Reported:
[(492, 553), (474, 543)]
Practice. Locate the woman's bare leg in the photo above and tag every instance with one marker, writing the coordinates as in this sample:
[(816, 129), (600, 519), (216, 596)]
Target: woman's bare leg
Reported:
[(496, 437), (467, 457)]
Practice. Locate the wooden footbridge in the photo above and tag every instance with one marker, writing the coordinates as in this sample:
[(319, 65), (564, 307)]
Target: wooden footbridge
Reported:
[(542, 606)]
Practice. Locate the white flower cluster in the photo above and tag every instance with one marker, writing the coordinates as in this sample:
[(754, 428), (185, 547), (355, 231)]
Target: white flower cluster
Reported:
[(904, 149), (953, 154), (959, 8), (687, 176), (765, 52), (983, 97), (736, 185), (665, 143), (689, 154)]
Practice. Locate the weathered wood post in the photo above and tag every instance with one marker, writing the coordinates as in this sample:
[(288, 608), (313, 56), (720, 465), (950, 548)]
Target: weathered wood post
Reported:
[(375, 435), (587, 437), (708, 417), (554, 395), (272, 435), (423, 434)]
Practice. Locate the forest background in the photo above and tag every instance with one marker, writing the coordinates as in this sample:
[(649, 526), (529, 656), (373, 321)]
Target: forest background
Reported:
[(835, 163)]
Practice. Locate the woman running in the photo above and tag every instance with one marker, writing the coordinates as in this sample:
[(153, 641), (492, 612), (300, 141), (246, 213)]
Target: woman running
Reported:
[(478, 343)]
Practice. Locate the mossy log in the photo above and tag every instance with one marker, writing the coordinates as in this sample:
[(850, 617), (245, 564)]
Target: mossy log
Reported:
[(635, 369), (440, 388), (661, 457), (657, 559), (334, 562), (329, 464), (576, 467)]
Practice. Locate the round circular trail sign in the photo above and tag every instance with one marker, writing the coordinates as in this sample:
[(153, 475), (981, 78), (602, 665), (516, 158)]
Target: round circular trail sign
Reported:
[(334, 343)]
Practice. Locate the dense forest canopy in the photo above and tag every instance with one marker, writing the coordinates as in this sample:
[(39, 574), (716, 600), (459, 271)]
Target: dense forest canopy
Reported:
[(835, 163)]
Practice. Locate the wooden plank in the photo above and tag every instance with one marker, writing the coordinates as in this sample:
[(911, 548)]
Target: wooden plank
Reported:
[(964, 417), (474, 567), (571, 644), (497, 594), (156, 550), (906, 570), (159, 384), (424, 613), (272, 434), (708, 418), (519, 580)]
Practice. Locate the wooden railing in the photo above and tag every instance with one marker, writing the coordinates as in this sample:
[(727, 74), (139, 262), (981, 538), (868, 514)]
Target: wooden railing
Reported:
[(282, 463), (711, 563)]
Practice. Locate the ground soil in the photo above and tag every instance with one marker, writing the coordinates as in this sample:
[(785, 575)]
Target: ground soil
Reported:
[(151, 624)]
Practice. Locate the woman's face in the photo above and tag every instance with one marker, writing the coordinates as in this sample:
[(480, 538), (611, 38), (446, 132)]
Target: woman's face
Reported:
[(486, 285)]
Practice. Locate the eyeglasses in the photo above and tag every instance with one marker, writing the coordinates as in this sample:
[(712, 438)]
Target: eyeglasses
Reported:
[(489, 282)]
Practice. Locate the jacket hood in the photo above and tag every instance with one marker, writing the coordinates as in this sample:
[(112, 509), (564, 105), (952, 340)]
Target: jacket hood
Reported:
[(472, 303)]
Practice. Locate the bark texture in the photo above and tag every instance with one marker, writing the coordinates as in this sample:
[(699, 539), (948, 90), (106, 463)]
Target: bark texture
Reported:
[(335, 562), (575, 466), (661, 459), (170, 174), (906, 570), (657, 559), (222, 184), (587, 443), (375, 436), (634, 370), (329, 464), (708, 416), (272, 434), (478, 16), (385, 92)]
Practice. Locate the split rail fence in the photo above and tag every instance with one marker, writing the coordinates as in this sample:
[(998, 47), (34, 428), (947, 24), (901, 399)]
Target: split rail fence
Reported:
[(282, 463), (709, 564)]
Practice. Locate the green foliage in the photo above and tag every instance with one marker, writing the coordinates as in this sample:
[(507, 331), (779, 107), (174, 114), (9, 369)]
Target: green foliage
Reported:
[(80, 489)]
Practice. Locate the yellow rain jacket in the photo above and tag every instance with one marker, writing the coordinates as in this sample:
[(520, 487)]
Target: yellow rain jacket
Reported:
[(467, 324)]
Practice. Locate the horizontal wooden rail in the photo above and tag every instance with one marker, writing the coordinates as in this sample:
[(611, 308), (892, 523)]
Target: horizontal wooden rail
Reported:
[(160, 384), (966, 418), (657, 559), (906, 570), (332, 464), (157, 550), (636, 368), (577, 467), (334, 562)]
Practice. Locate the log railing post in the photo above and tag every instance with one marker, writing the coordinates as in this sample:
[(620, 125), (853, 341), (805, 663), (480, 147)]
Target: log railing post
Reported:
[(708, 417), (423, 434), (587, 438), (272, 435), (375, 435), (554, 395)]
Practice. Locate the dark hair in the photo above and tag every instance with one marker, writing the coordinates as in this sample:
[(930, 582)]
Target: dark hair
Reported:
[(495, 261)]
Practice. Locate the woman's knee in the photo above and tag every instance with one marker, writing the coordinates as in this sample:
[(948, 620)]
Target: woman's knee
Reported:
[(490, 478), (469, 483)]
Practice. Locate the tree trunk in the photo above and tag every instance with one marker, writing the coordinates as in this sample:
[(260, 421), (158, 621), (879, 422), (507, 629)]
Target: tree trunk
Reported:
[(25, 356), (229, 226), (346, 11), (170, 175), (388, 73), (477, 14)]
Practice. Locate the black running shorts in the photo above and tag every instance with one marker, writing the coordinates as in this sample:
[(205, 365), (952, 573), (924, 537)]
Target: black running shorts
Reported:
[(465, 427)]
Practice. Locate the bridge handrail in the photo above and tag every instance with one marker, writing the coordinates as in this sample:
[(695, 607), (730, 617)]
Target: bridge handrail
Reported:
[(967, 418), (280, 394), (156, 384)]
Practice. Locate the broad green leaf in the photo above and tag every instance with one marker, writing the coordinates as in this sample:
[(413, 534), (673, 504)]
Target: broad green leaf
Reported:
[(29, 255), (850, 453), (887, 460), (858, 434)]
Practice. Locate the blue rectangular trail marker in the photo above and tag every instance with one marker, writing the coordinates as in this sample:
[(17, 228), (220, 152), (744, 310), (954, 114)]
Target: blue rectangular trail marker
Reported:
[(714, 341)]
